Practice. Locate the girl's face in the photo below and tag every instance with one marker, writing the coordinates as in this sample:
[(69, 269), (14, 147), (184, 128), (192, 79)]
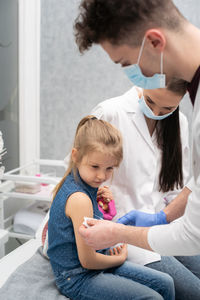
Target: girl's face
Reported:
[(96, 167)]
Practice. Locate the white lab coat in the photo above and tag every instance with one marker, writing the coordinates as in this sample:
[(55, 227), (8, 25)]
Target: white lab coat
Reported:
[(135, 183), (183, 236)]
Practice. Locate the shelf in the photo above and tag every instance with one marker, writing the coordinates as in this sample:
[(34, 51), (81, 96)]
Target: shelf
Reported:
[(12, 176), (44, 172), (25, 178), (26, 196), (44, 195), (19, 235)]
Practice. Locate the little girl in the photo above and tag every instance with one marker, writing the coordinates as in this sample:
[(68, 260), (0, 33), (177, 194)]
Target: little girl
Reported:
[(81, 273)]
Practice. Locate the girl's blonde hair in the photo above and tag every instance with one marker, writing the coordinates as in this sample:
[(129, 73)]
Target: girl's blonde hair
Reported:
[(91, 135)]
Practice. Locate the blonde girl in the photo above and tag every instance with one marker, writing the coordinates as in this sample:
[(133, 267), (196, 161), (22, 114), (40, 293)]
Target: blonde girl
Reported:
[(81, 273)]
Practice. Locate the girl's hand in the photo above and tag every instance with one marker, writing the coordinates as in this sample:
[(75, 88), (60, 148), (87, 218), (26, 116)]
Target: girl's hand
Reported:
[(106, 203), (120, 251), (105, 193)]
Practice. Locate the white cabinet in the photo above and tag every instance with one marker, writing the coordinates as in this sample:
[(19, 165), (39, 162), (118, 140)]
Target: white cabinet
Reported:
[(46, 173)]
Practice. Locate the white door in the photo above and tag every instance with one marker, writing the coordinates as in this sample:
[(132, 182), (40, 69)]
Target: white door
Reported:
[(29, 80), (9, 83), (20, 80)]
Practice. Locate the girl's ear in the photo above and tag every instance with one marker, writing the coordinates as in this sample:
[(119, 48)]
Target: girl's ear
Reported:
[(74, 155)]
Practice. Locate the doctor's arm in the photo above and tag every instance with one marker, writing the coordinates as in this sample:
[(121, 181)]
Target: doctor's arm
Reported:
[(176, 208), (178, 238), (103, 234), (170, 213)]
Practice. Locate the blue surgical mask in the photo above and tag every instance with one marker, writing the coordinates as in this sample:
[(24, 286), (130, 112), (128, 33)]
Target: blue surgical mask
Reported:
[(135, 75), (146, 110)]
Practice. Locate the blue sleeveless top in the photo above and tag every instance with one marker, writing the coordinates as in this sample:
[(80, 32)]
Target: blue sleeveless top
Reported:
[(62, 249)]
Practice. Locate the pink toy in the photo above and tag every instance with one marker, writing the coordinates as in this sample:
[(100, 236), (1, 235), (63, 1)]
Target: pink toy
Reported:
[(107, 208)]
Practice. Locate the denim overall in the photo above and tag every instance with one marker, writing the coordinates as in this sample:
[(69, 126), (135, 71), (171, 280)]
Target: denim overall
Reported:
[(128, 281)]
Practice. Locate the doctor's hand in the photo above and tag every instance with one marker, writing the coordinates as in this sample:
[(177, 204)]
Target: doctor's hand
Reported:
[(141, 219), (101, 234)]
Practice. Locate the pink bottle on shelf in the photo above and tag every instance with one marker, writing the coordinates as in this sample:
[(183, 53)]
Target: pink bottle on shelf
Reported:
[(40, 175)]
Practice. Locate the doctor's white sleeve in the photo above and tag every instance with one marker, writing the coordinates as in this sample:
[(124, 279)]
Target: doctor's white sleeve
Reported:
[(190, 184), (181, 237)]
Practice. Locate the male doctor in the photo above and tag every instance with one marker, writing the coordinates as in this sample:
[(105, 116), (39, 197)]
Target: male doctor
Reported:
[(157, 43)]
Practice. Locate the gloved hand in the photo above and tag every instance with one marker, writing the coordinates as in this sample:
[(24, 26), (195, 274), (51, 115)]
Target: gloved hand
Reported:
[(141, 219)]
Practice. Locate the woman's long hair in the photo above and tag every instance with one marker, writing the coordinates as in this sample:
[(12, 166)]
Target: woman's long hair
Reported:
[(169, 141)]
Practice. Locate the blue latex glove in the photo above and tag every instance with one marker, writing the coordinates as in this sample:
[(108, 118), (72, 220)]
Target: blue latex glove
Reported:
[(141, 219)]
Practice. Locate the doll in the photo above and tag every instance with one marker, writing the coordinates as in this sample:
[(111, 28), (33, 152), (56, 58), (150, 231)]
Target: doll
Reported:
[(106, 203)]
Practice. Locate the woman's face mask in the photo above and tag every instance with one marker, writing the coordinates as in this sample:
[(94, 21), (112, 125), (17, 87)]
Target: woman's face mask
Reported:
[(135, 75), (146, 110)]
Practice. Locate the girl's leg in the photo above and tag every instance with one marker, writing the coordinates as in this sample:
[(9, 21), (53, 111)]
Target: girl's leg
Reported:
[(192, 263), (107, 286), (187, 285), (158, 281), (103, 285)]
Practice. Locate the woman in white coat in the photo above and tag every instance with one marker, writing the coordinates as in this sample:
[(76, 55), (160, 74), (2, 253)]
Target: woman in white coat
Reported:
[(143, 181)]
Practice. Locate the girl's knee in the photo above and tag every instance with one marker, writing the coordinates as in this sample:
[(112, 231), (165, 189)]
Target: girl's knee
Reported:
[(168, 288), (169, 282)]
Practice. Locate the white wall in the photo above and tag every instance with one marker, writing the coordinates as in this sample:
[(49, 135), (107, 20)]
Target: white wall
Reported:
[(71, 84)]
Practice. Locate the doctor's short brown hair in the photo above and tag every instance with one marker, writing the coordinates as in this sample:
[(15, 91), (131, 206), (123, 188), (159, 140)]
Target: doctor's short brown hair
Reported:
[(123, 21), (177, 86)]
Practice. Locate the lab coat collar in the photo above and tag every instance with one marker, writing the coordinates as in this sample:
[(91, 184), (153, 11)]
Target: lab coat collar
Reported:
[(132, 108)]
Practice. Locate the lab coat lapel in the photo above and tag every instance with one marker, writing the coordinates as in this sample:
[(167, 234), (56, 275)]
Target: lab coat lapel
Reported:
[(131, 106), (140, 123)]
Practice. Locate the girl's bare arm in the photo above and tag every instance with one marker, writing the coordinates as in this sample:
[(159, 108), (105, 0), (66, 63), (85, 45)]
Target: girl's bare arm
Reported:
[(77, 207)]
